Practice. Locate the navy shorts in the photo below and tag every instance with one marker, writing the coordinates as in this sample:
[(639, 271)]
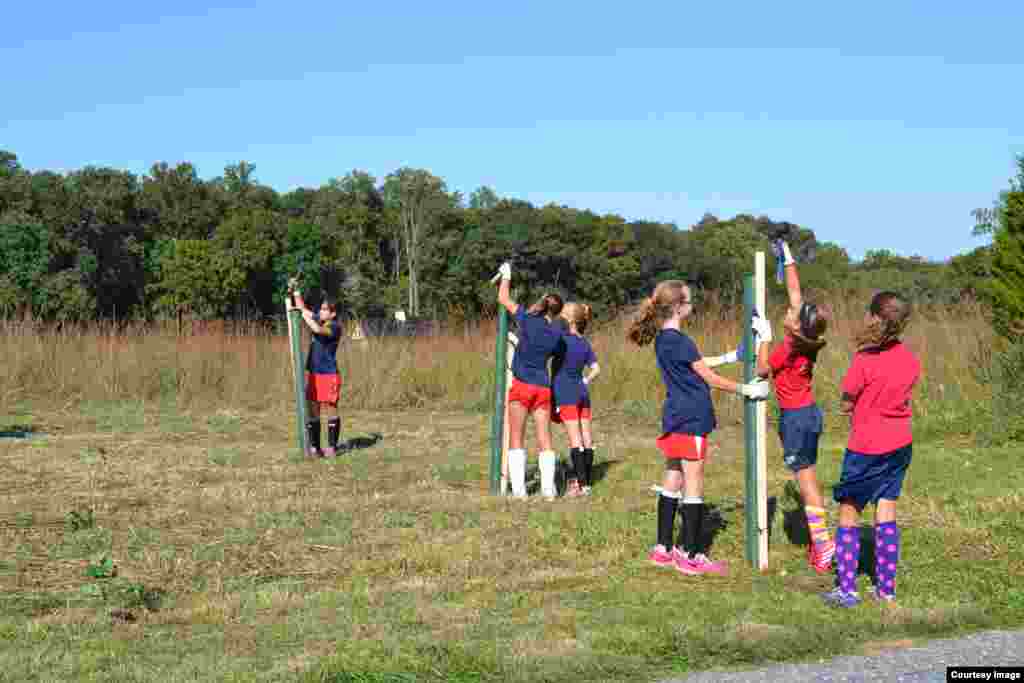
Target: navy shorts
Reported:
[(869, 478), (800, 430)]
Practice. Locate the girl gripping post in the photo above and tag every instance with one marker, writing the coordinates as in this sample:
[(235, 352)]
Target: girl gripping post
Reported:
[(323, 381), (688, 418), (877, 391), (571, 397), (530, 393), (791, 367)]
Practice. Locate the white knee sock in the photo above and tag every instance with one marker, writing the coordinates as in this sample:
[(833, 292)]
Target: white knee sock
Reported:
[(547, 474), (517, 471)]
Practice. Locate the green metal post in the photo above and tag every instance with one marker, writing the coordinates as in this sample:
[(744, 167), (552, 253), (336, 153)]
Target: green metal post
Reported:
[(295, 339), (498, 420), (750, 424)]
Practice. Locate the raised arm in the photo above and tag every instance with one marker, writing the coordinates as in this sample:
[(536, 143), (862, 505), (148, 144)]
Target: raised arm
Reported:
[(796, 299), (504, 297), (307, 315)]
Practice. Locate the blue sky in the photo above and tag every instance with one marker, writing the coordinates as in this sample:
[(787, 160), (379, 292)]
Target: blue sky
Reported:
[(878, 125)]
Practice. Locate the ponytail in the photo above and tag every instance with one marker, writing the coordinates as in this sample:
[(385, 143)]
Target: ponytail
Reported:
[(586, 315), (655, 310), (549, 304), (891, 313), (644, 327), (579, 315)]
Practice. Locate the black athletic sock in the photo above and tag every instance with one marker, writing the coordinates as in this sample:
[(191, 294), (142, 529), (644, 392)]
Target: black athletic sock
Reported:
[(576, 458), (313, 430), (689, 535), (588, 466), (333, 431), (666, 519)]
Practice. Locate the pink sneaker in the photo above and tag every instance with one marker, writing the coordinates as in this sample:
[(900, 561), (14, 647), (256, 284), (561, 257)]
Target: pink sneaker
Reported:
[(329, 452), (700, 564), (661, 557)]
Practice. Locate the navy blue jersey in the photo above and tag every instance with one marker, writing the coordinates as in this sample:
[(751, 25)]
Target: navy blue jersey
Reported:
[(573, 355), (688, 408), (537, 342), (323, 350)]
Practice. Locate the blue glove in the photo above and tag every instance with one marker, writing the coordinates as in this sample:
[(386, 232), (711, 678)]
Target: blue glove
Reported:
[(780, 267)]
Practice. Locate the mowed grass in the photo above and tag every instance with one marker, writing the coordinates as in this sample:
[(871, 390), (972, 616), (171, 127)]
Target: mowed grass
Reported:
[(234, 559)]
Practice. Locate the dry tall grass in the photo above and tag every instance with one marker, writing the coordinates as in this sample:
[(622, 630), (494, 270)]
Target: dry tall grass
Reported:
[(248, 367)]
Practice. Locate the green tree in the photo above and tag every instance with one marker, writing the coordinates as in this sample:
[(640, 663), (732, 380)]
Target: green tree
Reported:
[(196, 278), (1005, 289), (419, 198), (484, 198), (24, 261), (247, 242), (177, 204)]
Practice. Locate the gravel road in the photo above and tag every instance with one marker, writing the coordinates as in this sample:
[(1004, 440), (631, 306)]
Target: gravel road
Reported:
[(924, 664)]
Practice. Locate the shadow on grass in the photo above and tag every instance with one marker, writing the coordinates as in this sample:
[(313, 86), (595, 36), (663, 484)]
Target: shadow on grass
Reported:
[(794, 523), (601, 469), (714, 523), (18, 431), (358, 443)]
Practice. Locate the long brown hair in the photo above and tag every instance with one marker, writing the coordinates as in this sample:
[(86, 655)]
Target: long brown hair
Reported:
[(891, 313), (549, 304), (578, 314), (813, 321), (655, 310)]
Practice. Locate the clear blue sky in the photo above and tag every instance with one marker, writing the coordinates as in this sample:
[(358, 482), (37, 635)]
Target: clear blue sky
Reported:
[(878, 125)]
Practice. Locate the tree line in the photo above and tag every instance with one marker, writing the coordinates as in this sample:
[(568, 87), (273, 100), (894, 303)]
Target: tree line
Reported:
[(100, 242)]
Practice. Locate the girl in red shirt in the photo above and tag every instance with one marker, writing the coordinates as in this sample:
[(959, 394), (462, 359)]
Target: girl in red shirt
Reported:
[(877, 391), (791, 367)]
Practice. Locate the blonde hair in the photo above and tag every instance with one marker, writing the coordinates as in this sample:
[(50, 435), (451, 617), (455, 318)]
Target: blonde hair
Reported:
[(549, 304), (655, 310), (891, 314), (578, 314)]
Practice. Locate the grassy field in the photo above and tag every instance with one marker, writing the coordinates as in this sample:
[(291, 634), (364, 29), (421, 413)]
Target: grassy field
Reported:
[(235, 560), (158, 524)]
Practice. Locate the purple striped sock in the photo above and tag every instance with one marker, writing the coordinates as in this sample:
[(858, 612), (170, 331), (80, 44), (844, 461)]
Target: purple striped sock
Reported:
[(887, 555), (847, 555)]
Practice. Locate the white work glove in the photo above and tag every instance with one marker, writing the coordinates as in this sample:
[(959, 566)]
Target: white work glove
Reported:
[(724, 359), (762, 329), (787, 256), (504, 272), (586, 381), (757, 390)]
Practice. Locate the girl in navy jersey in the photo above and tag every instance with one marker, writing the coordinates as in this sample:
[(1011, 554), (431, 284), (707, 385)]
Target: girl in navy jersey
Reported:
[(530, 393), (572, 398), (323, 381), (688, 418)]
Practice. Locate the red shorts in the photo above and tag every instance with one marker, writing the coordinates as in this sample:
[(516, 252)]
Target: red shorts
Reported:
[(529, 395), (323, 388), (683, 446), (571, 412)]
